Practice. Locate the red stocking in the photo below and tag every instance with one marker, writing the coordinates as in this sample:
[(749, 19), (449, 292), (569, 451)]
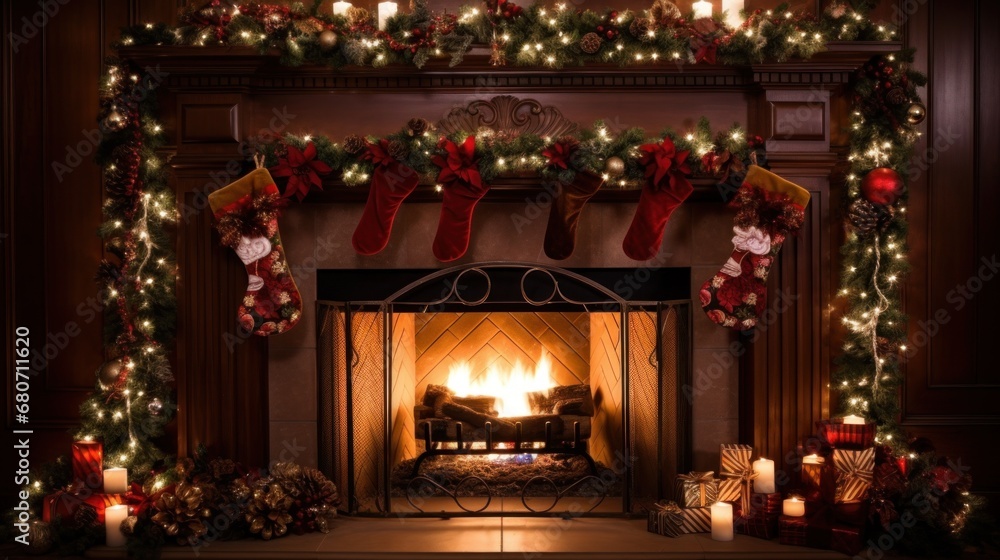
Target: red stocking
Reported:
[(463, 188), (391, 184), (666, 188), (564, 216)]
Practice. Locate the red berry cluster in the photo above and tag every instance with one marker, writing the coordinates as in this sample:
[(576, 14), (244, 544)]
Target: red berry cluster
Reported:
[(423, 37), (507, 10), (609, 29)]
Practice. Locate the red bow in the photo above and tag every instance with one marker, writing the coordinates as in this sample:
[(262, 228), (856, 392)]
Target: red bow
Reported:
[(379, 153), (302, 169), (664, 161), (559, 154), (460, 163), (138, 500)]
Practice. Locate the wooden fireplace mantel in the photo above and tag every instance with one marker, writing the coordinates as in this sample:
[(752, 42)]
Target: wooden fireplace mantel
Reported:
[(212, 97)]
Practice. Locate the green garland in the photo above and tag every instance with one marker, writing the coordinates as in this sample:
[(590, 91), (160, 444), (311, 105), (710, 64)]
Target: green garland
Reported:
[(499, 154)]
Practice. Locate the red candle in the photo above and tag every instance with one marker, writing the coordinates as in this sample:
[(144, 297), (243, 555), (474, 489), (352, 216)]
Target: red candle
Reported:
[(88, 464), (903, 464)]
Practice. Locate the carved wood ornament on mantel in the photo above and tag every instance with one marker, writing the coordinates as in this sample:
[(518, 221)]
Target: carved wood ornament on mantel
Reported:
[(214, 98)]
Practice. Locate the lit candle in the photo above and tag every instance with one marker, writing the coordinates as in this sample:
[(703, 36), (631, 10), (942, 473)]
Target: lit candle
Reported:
[(385, 11), (115, 480), (702, 9), (113, 517), (764, 483), (793, 507), (732, 9), (722, 521), (852, 419), (813, 459), (340, 8)]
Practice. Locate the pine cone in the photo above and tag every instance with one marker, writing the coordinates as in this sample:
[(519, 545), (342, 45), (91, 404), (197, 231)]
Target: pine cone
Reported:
[(309, 25), (418, 126), (121, 180), (181, 513), (267, 511), (84, 516), (590, 43), (398, 150), (358, 16), (866, 217), (317, 489), (639, 28), (897, 96), (222, 467), (355, 144), (664, 12)]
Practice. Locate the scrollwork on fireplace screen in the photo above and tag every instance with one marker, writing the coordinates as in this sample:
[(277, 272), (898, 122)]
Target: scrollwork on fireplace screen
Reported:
[(632, 439)]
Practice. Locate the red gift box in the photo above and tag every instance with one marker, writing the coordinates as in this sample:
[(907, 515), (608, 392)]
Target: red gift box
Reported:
[(847, 539), (835, 433), (64, 504), (761, 520), (819, 481), (792, 530), (88, 464)]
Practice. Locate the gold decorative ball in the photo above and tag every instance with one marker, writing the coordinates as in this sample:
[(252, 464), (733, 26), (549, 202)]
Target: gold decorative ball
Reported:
[(109, 371), (327, 40), (614, 166), (916, 113)]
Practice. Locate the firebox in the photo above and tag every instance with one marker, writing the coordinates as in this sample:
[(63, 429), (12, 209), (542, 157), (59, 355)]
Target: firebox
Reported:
[(503, 388)]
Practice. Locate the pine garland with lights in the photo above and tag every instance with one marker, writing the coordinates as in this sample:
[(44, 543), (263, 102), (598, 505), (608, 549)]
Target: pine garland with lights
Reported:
[(132, 402), (537, 35)]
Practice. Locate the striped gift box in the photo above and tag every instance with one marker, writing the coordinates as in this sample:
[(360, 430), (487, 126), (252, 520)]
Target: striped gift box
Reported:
[(697, 520), (670, 520), (696, 489), (730, 490), (735, 457), (855, 470), (835, 433)]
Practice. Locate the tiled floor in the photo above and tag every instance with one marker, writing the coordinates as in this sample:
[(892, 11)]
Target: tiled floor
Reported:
[(490, 538)]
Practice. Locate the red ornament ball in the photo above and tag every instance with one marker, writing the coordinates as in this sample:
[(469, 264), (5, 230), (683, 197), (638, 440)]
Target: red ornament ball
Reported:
[(882, 186)]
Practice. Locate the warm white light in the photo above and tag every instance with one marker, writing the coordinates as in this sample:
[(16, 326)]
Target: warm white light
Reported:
[(509, 386)]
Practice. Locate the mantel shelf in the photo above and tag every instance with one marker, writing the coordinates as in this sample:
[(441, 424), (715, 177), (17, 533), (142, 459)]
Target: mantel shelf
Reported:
[(218, 67)]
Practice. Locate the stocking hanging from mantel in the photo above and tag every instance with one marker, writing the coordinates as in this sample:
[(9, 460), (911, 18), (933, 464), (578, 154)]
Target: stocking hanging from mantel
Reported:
[(246, 214), (392, 182), (463, 189)]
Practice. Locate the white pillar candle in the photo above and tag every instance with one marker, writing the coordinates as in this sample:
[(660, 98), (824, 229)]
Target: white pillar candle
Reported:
[(385, 11), (793, 507), (115, 481), (732, 9), (853, 419), (764, 483), (340, 8), (113, 517), (813, 459), (722, 521), (702, 9)]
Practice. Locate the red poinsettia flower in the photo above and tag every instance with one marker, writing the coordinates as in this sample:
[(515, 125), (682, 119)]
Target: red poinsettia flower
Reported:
[(559, 154), (379, 153), (459, 164), (302, 169), (664, 161)]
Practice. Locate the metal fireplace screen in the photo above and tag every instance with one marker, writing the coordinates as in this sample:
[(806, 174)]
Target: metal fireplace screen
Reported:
[(637, 358)]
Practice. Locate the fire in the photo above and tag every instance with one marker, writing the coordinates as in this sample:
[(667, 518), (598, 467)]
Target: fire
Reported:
[(509, 386)]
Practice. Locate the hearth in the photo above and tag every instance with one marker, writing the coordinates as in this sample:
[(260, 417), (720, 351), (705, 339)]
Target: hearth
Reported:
[(503, 388)]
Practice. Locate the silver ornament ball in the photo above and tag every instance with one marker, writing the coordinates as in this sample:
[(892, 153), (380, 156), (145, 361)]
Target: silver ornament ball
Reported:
[(155, 406), (614, 166)]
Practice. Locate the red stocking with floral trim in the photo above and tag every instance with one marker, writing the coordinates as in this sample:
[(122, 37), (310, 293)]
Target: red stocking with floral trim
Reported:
[(247, 219), (769, 209), (463, 188)]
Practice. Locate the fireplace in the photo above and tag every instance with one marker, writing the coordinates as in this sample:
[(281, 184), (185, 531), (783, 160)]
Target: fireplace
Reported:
[(503, 388)]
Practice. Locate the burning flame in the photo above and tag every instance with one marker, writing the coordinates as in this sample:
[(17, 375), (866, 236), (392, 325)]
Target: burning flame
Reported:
[(510, 387)]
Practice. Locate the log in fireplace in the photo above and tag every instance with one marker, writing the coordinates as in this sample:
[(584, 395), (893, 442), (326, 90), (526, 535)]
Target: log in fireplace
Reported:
[(503, 388)]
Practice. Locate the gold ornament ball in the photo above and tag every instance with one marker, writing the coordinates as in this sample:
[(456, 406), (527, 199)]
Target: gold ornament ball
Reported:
[(614, 166), (109, 372), (916, 113), (327, 40)]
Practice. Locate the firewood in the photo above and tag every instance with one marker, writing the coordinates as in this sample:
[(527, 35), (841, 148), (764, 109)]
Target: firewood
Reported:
[(474, 418), (576, 399), (435, 396)]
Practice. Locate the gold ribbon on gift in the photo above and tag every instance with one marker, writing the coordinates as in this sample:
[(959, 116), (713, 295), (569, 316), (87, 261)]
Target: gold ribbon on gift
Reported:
[(671, 510), (855, 472), (746, 477), (701, 479)]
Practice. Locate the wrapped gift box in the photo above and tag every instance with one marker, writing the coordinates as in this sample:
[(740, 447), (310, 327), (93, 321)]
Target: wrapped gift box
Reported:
[(64, 504), (835, 433), (761, 519), (792, 530), (855, 470), (696, 489), (736, 469), (670, 520), (819, 481)]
